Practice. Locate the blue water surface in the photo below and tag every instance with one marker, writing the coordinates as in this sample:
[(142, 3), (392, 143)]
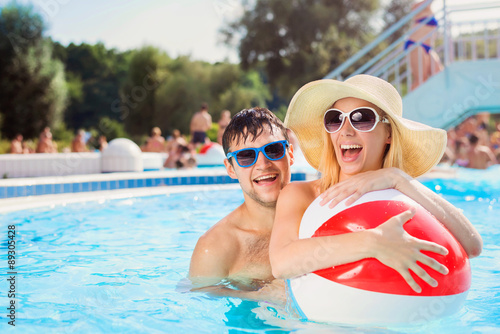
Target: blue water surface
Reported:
[(114, 267)]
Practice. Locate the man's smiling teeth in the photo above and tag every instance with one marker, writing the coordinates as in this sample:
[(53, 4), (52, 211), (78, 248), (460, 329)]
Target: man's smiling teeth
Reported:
[(265, 177), (350, 147)]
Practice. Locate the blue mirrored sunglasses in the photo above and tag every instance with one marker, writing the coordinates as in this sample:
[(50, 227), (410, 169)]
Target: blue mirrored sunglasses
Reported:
[(248, 156)]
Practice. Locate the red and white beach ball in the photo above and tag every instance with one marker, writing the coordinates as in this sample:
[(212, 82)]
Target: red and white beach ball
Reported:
[(367, 291)]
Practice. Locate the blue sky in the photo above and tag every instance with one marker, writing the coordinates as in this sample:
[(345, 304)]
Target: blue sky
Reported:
[(176, 26)]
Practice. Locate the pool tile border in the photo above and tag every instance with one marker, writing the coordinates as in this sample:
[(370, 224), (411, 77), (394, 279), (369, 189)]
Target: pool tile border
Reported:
[(22, 187)]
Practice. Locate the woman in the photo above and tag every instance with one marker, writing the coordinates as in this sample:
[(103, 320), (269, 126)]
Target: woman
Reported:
[(354, 134), (424, 61)]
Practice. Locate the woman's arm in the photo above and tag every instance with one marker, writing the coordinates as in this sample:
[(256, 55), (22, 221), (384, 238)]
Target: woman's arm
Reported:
[(451, 217), (389, 243), (290, 256)]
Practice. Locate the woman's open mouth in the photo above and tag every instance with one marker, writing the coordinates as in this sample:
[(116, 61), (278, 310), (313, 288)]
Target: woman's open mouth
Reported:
[(350, 152)]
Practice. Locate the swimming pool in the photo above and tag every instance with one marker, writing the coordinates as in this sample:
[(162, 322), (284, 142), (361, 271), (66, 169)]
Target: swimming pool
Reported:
[(115, 266)]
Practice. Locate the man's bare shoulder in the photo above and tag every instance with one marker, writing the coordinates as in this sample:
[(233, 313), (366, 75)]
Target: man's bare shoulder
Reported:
[(197, 115), (221, 235), (217, 249)]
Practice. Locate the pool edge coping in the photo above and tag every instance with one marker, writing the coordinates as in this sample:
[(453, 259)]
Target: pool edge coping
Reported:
[(13, 204)]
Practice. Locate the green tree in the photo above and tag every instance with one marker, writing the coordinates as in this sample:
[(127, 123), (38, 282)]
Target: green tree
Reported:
[(111, 129), (221, 85), (180, 95), (301, 40), (95, 75), (245, 92), (393, 12), (32, 84), (137, 105)]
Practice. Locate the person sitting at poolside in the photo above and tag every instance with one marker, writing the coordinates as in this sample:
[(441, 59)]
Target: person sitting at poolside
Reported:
[(179, 149), (353, 133), (155, 143), (102, 143), (16, 145), (236, 249), (45, 143), (78, 144), (495, 141), (200, 124), (225, 118), (174, 140), (479, 156), (181, 156)]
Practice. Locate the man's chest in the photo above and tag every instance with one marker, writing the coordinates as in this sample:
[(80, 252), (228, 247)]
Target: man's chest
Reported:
[(253, 260)]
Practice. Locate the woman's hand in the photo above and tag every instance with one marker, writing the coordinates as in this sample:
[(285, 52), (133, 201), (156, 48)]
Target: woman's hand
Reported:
[(397, 249), (360, 184)]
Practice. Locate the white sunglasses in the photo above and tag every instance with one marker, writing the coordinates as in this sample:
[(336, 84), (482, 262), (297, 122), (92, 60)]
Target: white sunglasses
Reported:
[(363, 119)]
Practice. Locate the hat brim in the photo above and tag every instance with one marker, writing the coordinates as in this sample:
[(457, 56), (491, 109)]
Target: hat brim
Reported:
[(422, 145)]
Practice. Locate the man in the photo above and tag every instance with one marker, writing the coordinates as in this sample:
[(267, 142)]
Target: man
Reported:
[(45, 143), (78, 143), (16, 145), (200, 124), (155, 143), (479, 156), (236, 249)]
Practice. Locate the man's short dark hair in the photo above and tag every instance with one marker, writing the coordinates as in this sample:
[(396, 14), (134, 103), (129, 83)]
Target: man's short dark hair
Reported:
[(250, 122), (473, 139)]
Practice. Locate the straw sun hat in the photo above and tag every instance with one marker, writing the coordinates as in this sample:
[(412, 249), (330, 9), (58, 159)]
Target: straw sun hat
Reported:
[(422, 146)]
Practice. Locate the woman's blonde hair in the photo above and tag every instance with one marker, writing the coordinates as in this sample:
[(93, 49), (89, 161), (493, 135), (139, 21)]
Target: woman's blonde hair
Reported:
[(330, 168)]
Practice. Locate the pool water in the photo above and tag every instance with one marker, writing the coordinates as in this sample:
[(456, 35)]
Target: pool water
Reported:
[(115, 266)]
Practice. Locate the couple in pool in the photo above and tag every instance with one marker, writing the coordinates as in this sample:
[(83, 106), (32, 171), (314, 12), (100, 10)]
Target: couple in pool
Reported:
[(353, 133)]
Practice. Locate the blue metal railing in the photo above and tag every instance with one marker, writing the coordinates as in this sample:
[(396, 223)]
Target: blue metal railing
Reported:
[(393, 63), (337, 73)]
